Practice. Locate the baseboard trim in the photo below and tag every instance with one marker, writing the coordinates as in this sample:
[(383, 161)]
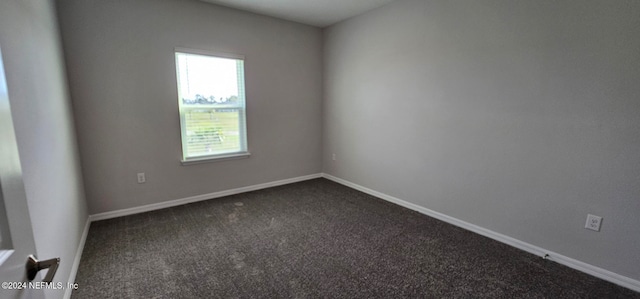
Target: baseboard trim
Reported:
[(76, 259), (191, 199), (539, 251)]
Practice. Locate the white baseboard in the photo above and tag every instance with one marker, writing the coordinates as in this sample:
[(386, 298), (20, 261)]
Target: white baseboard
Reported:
[(561, 259), (76, 259), (186, 200)]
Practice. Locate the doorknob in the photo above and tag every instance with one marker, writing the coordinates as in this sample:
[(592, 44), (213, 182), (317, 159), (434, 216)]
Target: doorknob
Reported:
[(34, 266)]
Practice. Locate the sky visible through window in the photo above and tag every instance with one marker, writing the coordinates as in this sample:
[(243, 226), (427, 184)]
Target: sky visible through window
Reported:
[(207, 76)]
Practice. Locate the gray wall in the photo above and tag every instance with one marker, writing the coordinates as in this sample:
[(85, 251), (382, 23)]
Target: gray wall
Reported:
[(43, 121), (517, 116), (121, 69)]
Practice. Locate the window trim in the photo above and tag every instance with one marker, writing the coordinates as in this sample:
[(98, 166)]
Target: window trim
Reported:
[(208, 53), (244, 143), (216, 158)]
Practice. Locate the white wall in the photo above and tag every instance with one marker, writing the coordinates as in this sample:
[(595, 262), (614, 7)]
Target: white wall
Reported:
[(44, 127), (517, 116), (121, 69)]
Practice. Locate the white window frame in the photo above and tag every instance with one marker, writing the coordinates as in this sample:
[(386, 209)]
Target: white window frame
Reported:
[(244, 150)]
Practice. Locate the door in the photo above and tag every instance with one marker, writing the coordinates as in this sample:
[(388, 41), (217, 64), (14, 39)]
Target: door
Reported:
[(16, 234)]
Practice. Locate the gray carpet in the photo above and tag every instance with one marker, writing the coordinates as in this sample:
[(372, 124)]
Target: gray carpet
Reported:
[(307, 240)]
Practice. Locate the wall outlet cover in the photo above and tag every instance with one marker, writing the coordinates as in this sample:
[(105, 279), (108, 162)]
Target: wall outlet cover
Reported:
[(593, 222), (141, 178)]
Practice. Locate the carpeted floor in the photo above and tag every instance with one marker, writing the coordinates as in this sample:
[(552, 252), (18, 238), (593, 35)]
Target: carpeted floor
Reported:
[(312, 239)]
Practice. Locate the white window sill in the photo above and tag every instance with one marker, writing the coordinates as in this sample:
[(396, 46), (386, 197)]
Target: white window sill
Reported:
[(216, 158)]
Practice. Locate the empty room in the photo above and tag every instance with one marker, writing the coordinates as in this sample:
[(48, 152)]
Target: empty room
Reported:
[(319, 149)]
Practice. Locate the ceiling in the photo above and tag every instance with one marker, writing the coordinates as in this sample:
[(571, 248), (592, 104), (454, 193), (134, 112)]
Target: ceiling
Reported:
[(319, 13)]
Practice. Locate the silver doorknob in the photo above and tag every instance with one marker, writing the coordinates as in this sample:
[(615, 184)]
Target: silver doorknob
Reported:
[(34, 266)]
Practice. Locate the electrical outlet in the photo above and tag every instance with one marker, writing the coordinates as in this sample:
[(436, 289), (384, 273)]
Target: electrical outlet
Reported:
[(141, 178), (593, 222), (333, 157)]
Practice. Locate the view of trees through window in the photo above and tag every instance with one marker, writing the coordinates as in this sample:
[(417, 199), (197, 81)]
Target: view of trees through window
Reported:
[(211, 98)]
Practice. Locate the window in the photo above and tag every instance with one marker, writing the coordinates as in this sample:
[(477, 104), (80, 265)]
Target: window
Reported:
[(212, 105)]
